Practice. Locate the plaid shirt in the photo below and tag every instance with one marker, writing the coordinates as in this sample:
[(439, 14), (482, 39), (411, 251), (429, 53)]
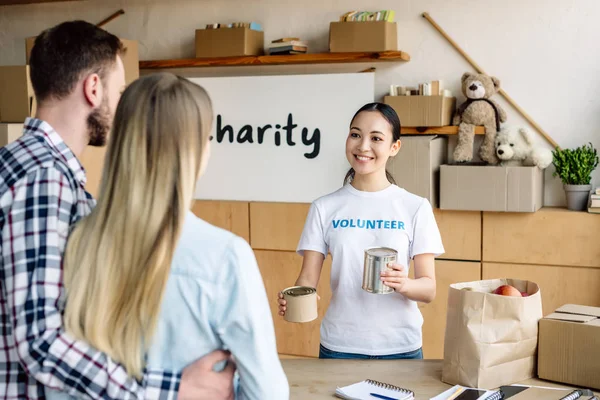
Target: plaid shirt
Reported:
[(41, 196)]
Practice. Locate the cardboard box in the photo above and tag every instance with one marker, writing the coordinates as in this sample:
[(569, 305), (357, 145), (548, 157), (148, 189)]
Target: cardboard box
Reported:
[(491, 188), (420, 111), (131, 59), (229, 42), (569, 346), (416, 167), (9, 133), (17, 100), (367, 36)]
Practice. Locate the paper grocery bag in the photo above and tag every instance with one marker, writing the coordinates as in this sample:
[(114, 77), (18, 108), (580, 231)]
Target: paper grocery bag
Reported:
[(491, 340)]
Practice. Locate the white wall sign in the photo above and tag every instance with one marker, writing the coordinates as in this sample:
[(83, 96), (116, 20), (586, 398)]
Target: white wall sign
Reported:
[(280, 138)]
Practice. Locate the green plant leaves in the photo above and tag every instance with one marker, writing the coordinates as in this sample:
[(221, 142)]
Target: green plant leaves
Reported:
[(575, 166)]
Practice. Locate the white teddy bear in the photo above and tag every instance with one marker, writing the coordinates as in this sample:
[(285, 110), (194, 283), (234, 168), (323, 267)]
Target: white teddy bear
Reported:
[(515, 147)]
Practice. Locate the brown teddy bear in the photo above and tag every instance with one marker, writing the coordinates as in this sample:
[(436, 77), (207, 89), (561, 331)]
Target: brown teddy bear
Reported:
[(479, 109)]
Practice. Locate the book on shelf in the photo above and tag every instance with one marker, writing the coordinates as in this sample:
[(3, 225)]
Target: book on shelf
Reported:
[(594, 201), (288, 46), (250, 25), (432, 88), (363, 16)]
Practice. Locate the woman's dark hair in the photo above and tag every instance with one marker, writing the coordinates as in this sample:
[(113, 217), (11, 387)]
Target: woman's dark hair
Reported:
[(389, 114)]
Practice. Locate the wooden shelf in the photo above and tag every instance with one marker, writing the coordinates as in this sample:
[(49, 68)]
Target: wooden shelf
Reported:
[(15, 2), (310, 58), (441, 130)]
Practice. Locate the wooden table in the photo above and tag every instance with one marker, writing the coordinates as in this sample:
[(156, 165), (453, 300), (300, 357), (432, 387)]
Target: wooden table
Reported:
[(317, 379)]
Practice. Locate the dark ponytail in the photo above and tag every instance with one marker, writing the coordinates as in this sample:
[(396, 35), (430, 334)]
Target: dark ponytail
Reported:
[(389, 114)]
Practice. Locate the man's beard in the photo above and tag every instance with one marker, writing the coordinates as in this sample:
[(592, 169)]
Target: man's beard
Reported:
[(99, 124)]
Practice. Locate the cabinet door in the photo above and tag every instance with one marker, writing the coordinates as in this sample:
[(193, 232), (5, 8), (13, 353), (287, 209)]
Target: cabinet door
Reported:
[(550, 236), (277, 226), (92, 160), (280, 270), (461, 234), (434, 313), (229, 215), (558, 285)]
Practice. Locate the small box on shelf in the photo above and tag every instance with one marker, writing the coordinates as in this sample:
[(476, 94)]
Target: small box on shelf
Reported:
[(431, 111), (491, 188), (229, 42), (363, 36)]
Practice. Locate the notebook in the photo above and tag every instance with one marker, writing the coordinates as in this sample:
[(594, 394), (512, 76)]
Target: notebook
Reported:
[(362, 391)]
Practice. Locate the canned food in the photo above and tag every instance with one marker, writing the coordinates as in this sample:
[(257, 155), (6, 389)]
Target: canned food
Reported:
[(301, 304), (376, 261)]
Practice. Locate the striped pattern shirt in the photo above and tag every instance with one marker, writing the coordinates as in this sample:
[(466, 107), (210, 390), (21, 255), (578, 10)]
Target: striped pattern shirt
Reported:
[(41, 196)]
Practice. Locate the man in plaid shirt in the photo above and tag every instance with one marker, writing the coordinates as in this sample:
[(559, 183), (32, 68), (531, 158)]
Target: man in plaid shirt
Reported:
[(77, 76)]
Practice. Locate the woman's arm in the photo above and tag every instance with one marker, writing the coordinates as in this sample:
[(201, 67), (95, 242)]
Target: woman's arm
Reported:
[(245, 325), (312, 264), (422, 288)]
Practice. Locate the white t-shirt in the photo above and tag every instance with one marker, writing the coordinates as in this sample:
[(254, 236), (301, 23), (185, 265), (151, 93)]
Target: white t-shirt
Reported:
[(345, 223)]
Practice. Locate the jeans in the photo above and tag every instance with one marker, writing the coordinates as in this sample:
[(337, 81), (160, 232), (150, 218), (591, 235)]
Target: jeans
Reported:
[(324, 352)]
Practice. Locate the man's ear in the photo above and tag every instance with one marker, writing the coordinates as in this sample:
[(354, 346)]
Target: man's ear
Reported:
[(93, 90)]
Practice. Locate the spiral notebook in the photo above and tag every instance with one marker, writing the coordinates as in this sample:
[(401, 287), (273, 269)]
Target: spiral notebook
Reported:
[(362, 391)]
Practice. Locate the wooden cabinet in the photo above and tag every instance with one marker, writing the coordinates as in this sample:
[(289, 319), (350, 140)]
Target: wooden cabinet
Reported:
[(229, 215), (550, 236), (434, 313), (277, 226), (14, 2), (461, 234), (532, 246), (280, 270), (92, 160)]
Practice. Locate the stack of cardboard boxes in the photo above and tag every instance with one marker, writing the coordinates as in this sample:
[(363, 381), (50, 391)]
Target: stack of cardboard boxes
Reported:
[(423, 165)]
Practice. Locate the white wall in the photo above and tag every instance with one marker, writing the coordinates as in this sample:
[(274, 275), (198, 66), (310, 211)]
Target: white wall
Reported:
[(545, 53)]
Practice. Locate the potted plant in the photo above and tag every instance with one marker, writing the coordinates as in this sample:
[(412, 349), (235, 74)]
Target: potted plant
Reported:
[(575, 167)]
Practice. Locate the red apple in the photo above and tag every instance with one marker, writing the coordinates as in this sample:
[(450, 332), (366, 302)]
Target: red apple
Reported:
[(524, 294), (507, 290)]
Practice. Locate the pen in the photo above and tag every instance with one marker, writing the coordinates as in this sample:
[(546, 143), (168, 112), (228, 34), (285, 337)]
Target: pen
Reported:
[(382, 396), (455, 394)]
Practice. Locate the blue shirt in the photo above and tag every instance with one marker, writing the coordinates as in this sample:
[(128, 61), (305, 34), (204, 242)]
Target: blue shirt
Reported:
[(215, 299)]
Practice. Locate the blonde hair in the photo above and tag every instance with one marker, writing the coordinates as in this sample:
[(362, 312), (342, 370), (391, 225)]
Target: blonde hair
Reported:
[(118, 258)]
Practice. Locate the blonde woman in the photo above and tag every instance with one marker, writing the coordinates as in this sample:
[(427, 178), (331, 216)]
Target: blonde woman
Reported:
[(149, 283)]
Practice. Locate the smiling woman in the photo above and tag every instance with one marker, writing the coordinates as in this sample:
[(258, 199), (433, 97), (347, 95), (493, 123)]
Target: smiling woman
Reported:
[(369, 155), (370, 210)]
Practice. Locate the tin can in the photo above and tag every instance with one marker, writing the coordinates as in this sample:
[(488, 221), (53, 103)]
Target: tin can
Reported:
[(376, 261), (301, 304)]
